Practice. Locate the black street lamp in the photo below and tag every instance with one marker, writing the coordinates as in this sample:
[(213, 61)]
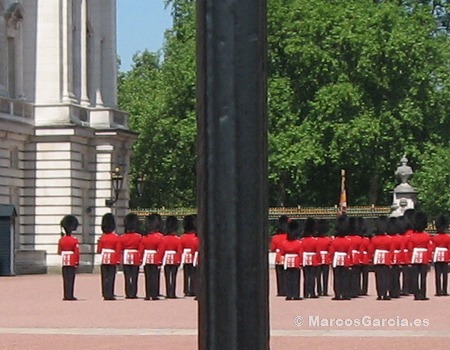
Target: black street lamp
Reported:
[(140, 181), (117, 181)]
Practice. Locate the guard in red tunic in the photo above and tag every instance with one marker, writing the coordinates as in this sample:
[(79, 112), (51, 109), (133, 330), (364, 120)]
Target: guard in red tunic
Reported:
[(379, 250), (355, 248), (275, 246), (68, 248), (324, 260), (393, 229), (148, 249), (309, 259), (170, 253), (131, 258), (189, 245), (364, 259), (109, 248), (421, 246), (340, 251), (441, 256), (407, 285), (292, 251)]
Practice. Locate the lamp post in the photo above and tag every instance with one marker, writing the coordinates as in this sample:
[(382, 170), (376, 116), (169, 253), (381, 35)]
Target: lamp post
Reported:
[(117, 181)]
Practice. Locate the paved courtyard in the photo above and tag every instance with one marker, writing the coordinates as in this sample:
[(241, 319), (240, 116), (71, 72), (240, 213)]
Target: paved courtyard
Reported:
[(33, 316)]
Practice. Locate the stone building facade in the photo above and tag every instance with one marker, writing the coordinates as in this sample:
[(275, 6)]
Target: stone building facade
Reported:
[(61, 133)]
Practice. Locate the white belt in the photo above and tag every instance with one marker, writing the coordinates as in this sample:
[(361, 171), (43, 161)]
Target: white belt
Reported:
[(166, 254), (323, 252), (287, 257), (438, 250), (105, 250), (67, 252), (128, 251), (419, 250), (336, 256), (183, 256), (147, 252)]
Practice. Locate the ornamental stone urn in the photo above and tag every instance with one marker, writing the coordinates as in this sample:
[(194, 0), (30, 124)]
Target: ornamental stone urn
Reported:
[(404, 195)]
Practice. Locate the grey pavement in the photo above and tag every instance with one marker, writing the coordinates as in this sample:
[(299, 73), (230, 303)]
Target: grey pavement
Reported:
[(33, 316)]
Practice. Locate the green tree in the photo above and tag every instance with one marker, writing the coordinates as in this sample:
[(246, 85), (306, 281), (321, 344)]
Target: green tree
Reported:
[(352, 85)]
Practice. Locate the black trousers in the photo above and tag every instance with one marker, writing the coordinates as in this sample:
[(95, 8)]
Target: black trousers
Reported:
[(364, 279), (419, 278), (355, 282), (292, 280), (309, 284), (382, 280), (323, 272), (405, 279), (394, 287), (170, 273), (68, 274), (151, 273), (108, 275), (281, 288), (341, 282), (131, 273), (441, 273), (189, 271)]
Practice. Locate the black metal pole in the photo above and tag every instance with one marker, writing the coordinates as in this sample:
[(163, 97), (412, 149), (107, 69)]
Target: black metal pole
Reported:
[(232, 174)]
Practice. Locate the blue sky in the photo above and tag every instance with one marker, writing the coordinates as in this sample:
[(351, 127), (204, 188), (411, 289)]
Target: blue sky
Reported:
[(140, 25)]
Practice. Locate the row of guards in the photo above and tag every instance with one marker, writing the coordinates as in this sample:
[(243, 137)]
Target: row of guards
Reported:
[(399, 251), (154, 251)]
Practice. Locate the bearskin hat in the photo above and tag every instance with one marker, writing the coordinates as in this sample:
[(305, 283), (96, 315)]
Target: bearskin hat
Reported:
[(380, 225), (189, 223), (401, 225), (131, 222), (441, 223), (391, 226), (322, 227), (420, 222), (352, 226), (409, 218), (308, 227), (108, 223), (69, 223), (282, 224), (171, 224), (293, 230), (153, 223), (361, 226), (341, 227)]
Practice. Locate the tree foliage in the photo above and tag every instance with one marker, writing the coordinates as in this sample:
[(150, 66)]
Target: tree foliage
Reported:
[(352, 85)]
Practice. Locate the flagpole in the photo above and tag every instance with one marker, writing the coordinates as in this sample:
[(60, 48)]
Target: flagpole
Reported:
[(343, 195)]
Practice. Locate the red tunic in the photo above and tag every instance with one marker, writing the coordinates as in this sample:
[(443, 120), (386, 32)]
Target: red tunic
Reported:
[(397, 257), (404, 247), (309, 251), (294, 247), (421, 241), (323, 250), (382, 243), (189, 246), (171, 242), (355, 248), (442, 241), (69, 244), (109, 240), (341, 245), (130, 242), (275, 246), (152, 241), (364, 258)]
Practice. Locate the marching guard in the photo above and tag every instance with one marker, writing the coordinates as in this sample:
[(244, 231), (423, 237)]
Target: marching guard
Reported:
[(277, 240), (309, 259), (394, 228), (109, 248), (441, 257), (68, 248), (171, 255), (421, 247), (364, 259), (379, 250), (189, 245), (131, 259), (292, 251), (323, 249), (148, 249), (355, 247), (340, 250)]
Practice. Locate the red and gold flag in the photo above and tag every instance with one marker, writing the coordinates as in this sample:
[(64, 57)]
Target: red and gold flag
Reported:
[(343, 195)]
